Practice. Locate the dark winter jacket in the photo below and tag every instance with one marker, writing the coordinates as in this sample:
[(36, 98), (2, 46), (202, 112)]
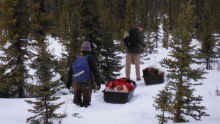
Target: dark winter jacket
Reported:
[(93, 68), (137, 41)]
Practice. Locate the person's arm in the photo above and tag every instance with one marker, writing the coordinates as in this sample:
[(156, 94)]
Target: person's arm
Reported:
[(94, 70), (69, 75), (141, 40)]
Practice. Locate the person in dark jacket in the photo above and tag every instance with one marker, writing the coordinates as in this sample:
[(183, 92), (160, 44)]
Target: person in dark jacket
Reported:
[(134, 50), (84, 89)]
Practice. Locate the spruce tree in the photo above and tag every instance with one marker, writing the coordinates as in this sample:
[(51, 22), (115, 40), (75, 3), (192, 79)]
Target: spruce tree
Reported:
[(55, 9), (182, 76), (205, 35), (118, 12), (130, 15), (150, 35), (109, 59), (198, 12), (215, 10), (141, 11), (165, 33), (162, 103), (173, 12), (118, 16), (155, 25), (156, 31), (1, 2), (70, 36), (44, 90), (90, 13), (13, 46), (162, 11)]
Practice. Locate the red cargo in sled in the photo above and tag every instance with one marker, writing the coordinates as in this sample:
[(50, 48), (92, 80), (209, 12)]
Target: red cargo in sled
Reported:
[(118, 97)]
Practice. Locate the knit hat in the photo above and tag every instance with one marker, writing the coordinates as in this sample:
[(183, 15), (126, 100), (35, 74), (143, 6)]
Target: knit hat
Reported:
[(86, 46)]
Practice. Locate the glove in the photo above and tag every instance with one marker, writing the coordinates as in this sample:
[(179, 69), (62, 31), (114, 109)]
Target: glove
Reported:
[(68, 85), (98, 86)]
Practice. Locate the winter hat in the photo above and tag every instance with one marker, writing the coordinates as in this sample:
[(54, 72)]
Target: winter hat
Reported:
[(86, 46)]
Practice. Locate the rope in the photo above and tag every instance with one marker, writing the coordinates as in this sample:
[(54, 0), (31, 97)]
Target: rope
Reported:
[(151, 57)]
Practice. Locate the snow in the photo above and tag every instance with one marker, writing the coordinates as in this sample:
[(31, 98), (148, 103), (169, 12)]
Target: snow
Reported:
[(139, 110)]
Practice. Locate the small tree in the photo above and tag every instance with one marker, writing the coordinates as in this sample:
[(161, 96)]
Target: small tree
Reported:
[(182, 76), (44, 89), (162, 103), (44, 105)]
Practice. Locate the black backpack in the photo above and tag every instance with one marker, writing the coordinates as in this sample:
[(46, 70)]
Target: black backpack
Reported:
[(130, 37), (126, 40)]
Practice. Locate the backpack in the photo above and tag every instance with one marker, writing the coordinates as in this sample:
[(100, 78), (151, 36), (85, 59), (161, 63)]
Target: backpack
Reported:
[(126, 39), (130, 37), (81, 70)]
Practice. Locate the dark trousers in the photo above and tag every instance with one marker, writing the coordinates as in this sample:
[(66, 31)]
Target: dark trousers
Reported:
[(82, 93)]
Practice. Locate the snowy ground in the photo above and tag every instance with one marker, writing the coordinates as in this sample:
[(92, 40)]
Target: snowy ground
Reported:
[(139, 110)]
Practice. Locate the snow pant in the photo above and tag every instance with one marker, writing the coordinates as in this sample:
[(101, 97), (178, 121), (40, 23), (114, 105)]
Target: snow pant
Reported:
[(136, 62), (82, 93)]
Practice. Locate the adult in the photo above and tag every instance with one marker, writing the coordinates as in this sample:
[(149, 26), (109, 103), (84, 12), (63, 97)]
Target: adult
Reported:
[(83, 90), (134, 50)]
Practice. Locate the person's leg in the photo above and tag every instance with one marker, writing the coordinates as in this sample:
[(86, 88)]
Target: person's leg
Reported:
[(87, 93), (77, 94), (128, 65), (137, 65)]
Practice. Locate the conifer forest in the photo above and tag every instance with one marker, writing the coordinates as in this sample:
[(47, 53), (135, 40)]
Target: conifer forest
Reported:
[(25, 25)]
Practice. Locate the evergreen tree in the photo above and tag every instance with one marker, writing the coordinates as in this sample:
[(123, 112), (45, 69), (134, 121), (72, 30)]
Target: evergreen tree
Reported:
[(205, 35), (90, 13), (162, 8), (44, 89), (118, 16), (165, 25), (155, 25), (213, 7), (141, 10), (151, 35), (55, 10), (173, 12), (109, 60), (215, 10), (13, 46), (70, 36), (151, 26), (45, 103), (156, 31), (130, 15), (181, 73), (198, 4), (1, 2), (118, 12), (162, 103), (165, 33), (150, 43)]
